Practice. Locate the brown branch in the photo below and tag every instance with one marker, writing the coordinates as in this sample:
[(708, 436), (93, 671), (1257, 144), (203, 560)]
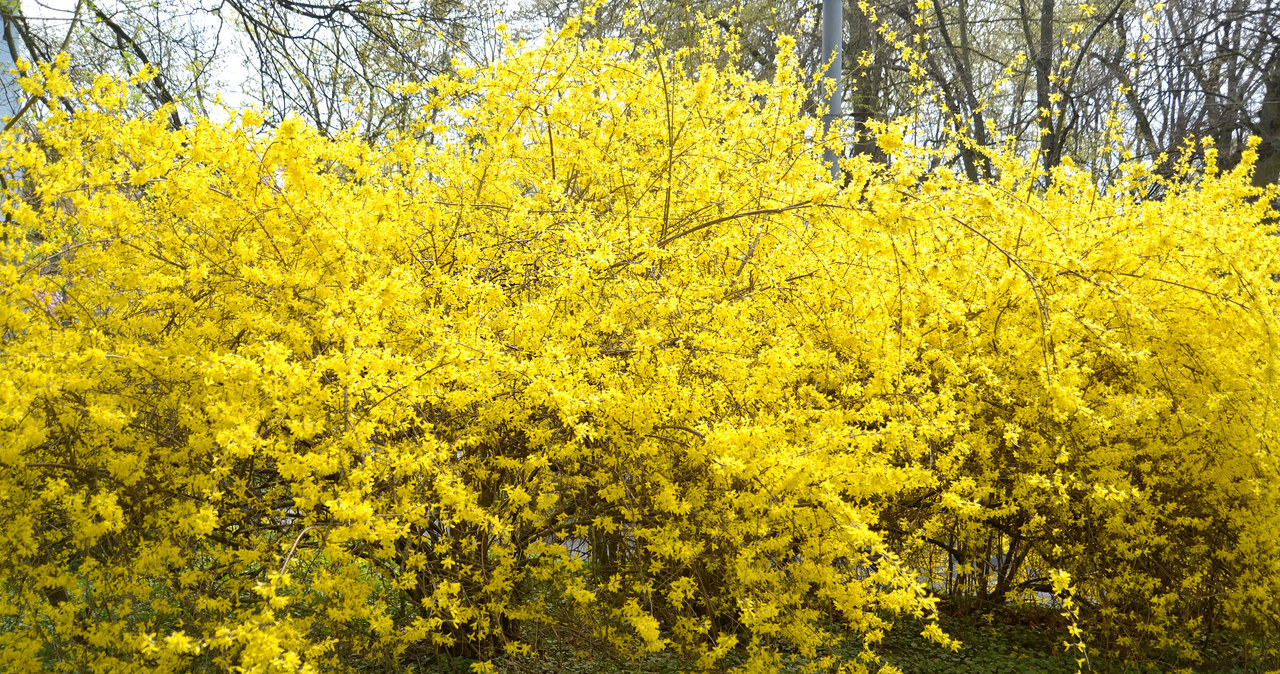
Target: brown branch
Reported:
[(744, 214)]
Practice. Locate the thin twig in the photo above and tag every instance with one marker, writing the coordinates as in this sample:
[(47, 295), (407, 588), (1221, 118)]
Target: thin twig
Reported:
[(294, 548), (744, 214), (45, 260), (686, 429), (1045, 338), (750, 250)]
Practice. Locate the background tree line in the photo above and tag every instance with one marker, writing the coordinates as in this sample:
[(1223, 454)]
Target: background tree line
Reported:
[(339, 65), (1135, 74), (1146, 74)]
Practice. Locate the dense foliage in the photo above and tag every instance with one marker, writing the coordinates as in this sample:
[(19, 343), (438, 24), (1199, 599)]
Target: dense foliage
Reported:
[(616, 360)]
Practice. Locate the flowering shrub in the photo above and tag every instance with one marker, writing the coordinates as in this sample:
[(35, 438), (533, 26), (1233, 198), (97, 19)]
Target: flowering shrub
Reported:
[(611, 356)]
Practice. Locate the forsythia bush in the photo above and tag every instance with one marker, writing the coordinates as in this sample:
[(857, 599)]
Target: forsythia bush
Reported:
[(610, 356)]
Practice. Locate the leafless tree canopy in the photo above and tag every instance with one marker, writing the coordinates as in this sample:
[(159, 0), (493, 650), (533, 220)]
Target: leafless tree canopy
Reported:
[(1063, 79), (334, 62), (1153, 72)]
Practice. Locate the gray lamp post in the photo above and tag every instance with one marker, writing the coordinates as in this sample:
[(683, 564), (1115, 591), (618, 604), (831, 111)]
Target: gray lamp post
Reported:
[(833, 53), (10, 94)]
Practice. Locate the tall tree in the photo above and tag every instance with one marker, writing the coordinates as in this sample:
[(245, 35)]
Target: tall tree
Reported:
[(1211, 69), (337, 63), (1058, 78), (1062, 78)]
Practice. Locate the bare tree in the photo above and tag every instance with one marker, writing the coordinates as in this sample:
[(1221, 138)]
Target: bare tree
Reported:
[(337, 63), (1057, 78), (1211, 69)]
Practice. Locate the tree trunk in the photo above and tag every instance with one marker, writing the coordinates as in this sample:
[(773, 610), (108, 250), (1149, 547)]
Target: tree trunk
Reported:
[(1267, 170)]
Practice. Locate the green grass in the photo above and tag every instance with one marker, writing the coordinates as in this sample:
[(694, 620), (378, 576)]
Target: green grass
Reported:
[(1015, 641), (1011, 641)]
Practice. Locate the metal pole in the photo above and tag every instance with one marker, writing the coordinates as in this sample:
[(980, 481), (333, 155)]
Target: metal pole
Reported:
[(10, 95), (833, 51)]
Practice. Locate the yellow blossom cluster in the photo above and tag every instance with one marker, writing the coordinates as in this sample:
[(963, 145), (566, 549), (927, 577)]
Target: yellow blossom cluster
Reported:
[(611, 356)]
